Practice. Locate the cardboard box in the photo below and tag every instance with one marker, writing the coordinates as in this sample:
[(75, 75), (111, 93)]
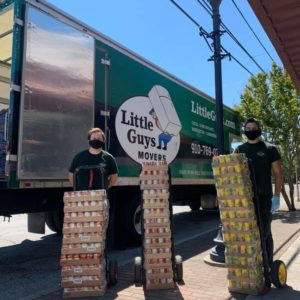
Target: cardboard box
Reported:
[(79, 281), (79, 262), (95, 208), (83, 248), (159, 256), (156, 195), (160, 275), (158, 177), (85, 219), (154, 186), (82, 230), (85, 238), (74, 270)]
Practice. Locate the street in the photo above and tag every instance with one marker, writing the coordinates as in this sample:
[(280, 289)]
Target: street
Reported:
[(30, 262)]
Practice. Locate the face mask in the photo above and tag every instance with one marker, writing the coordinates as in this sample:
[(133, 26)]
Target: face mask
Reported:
[(253, 134), (96, 144)]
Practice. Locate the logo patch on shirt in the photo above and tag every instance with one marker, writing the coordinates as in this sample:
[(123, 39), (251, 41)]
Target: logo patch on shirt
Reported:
[(261, 153)]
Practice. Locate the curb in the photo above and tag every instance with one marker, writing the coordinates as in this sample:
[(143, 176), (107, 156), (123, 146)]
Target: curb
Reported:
[(288, 258), (289, 254)]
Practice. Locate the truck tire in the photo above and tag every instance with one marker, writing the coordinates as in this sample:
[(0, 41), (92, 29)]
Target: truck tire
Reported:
[(133, 224), (195, 205), (55, 220), (112, 272)]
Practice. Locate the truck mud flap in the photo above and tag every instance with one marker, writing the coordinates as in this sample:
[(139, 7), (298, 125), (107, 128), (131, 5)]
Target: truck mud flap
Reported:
[(36, 222)]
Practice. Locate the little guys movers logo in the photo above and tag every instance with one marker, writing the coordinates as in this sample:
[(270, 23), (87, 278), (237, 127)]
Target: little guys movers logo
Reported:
[(148, 127)]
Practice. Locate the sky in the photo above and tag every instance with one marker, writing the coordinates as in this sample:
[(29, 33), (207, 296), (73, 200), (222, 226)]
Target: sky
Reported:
[(158, 31)]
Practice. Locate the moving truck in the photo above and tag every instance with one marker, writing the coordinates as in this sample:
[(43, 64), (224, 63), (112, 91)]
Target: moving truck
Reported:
[(59, 78)]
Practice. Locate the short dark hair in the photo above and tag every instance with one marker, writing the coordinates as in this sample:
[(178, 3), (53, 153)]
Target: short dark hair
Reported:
[(252, 120), (95, 129)]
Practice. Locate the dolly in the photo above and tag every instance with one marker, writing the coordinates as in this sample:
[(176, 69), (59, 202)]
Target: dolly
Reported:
[(277, 274), (111, 265), (177, 266)]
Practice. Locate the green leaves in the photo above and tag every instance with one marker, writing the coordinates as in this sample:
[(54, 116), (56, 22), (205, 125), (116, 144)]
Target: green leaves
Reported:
[(273, 99)]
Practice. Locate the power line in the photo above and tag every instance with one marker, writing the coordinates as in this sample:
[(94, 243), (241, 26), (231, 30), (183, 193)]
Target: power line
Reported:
[(237, 61), (209, 11), (202, 31), (205, 34), (186, 14), (206, 7), (241, 46), (252, 29)]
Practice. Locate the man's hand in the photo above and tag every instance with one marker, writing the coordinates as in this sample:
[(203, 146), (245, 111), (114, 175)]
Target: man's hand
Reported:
[(275, 203), (112, 180), (71, 178)]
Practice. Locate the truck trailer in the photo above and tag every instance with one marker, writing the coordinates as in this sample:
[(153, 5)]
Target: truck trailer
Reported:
[(59, 78)]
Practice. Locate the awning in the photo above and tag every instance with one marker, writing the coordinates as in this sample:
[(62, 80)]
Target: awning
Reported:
[(281, 21)]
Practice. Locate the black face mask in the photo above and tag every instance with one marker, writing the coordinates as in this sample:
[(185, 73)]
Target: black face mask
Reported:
[(96, 144), (253, 134)]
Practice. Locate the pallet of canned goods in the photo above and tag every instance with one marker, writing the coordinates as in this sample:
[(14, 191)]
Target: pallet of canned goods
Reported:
[(241, 235), (245, 246), (157, 268), (83, 260)]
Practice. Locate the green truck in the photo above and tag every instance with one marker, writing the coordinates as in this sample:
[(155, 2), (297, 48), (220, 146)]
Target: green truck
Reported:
[(59, 78)]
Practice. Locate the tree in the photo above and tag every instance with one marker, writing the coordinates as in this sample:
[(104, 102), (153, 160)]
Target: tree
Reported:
[(273, 99)]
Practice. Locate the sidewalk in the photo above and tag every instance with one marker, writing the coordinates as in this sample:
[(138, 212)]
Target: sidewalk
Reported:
[(291, 258), (205, 282), (292, 292)]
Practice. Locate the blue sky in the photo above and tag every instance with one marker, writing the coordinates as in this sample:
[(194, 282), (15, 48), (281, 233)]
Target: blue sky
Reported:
[(159, 32)]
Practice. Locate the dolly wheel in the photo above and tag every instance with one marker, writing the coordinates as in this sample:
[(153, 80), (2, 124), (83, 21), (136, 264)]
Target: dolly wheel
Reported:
[(279, 274), (112, 272), (178, 268), (138, 271)]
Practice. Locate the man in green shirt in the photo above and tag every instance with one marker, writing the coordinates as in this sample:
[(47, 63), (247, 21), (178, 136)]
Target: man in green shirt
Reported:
[(94, 156), (266, 160)]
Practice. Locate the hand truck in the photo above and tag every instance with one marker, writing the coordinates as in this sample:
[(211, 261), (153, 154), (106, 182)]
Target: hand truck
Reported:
[(111, 265), (139, 270)]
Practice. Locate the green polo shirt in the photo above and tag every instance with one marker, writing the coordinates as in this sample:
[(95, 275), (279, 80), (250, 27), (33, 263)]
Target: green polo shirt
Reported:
[(262, 156), (104, 160)]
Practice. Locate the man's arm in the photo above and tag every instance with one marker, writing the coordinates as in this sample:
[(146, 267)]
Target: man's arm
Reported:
[(112, 179), (276, 168)]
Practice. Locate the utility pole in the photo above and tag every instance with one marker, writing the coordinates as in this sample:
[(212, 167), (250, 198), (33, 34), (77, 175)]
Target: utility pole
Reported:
[(217, 254), (215, 4)]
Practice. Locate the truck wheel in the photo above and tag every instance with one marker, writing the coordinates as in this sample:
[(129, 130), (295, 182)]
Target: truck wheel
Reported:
[(134, 218), (195, 205), (178, 269), (112, 272), (55, 220), (279, 274)]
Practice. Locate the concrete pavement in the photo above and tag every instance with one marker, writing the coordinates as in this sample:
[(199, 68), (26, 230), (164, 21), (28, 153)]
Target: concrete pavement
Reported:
[(205, 282), (292, 292)]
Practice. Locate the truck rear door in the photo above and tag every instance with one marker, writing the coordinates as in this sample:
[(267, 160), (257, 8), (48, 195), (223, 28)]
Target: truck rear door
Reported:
[(57, 102)]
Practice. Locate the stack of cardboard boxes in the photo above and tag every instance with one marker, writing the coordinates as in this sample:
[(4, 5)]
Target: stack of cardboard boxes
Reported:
[(82, 257), (157, 244), (241, 234)]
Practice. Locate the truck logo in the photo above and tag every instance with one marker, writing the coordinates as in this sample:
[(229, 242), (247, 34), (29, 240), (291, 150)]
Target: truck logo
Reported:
[(148, 127)]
